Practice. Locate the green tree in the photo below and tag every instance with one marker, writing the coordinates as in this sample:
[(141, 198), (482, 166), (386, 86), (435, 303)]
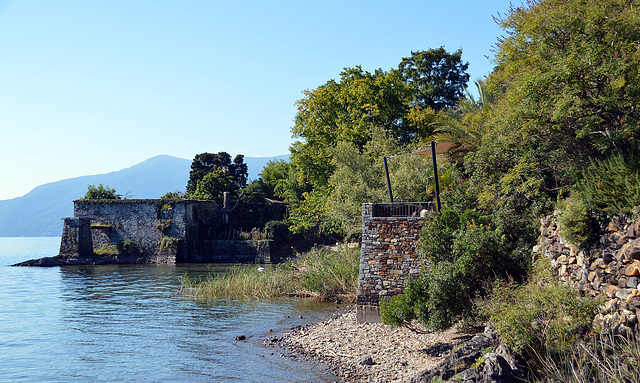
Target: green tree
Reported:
[(256, 208), (568, 90), (205, 163), (213, 185), (360, 177), (437, 77), (345, 111), (101, 192)]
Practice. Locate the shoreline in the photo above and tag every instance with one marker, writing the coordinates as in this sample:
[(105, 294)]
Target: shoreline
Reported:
[(368, 352)]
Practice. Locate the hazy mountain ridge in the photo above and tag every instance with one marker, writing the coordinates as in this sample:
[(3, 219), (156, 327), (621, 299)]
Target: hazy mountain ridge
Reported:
[(39, 212)]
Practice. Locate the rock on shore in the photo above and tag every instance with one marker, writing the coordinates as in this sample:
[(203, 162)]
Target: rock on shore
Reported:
[(369, 352)]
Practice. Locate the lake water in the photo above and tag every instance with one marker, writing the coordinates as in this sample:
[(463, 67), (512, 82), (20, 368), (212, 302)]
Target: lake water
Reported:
[(125, 323)]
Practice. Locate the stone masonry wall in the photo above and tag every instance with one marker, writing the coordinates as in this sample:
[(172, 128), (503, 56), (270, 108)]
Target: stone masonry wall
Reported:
[(136, 221), (388, 257), (610, 269), (139, 227)]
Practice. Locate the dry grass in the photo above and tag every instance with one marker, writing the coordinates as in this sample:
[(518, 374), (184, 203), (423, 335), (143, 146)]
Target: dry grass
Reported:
[(322, 273)]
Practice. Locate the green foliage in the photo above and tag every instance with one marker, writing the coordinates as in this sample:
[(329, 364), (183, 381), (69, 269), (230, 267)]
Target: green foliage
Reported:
[(126, 247), (535, 318), (397, 311), (107, 250), (570, 69), (204, 164), (604, 359), (576, 222), (359, 177), (163, 225), (278, 231), (169, 243), (437, 77), (175, 195), (257, 207), (612, 185), (120, 248), (213, 186), (101, 192), (465, 249)]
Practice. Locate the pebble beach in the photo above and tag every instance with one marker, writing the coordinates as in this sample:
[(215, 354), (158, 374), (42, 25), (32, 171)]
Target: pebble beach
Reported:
[(370, 352)]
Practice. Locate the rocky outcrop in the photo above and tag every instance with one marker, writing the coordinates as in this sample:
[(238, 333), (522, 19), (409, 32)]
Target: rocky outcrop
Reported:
[(610, 269), (480, 360), (93, 259)]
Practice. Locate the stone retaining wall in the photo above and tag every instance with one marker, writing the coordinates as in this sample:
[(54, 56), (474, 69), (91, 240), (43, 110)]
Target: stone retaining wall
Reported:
[(388, 257), (611, 269)]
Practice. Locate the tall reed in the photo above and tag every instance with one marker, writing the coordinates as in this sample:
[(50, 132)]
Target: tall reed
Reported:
[(605, 359), (322, 273)]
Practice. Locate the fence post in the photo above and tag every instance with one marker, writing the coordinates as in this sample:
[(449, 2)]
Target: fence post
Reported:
[(435, 173), (386, 169)]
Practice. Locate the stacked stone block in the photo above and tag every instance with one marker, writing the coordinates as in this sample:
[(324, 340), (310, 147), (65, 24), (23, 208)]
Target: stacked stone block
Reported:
[(388, 257), (610, 270)]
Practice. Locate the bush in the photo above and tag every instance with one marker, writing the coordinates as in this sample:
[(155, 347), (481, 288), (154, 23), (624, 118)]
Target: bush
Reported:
[(612, 185), (540, 317), (101, 192), (576, 222), (465, 252)]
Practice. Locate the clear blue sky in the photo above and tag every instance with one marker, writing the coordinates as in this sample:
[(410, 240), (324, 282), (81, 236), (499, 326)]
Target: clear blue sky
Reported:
[(89, 87)]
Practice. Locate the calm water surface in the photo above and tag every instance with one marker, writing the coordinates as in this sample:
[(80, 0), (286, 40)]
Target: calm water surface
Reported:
[(126, 324)]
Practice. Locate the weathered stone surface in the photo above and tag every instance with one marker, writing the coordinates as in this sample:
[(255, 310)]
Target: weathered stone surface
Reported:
[(633, 270), (469, 363), (612, 270), (631, 249), (386, 263), (149, 231)]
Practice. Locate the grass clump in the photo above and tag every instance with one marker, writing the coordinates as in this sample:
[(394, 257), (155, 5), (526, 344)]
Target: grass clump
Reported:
[(107, 250), (322, 273), (606, 358)]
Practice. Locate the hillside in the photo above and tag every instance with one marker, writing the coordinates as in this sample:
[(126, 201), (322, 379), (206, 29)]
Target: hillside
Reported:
[(39, 212)]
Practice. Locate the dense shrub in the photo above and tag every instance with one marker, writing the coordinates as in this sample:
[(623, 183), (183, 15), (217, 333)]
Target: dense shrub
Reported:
[(465, 251), (576, 221), (612, 185), (101, 192), (543, 316)]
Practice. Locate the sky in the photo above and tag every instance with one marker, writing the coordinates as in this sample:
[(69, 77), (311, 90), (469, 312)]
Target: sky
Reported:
[(89, 87)]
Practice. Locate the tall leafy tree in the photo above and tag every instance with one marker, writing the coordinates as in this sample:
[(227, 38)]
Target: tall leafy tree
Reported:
[(213, 185), (205, 163), (345, 111), (437, 77), (568, 89)]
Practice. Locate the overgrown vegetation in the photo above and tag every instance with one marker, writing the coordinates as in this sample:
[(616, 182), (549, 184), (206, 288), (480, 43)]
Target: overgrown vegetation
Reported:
[(101, 192), (322, 273), (558, 117), (604, 359), (541, 317)]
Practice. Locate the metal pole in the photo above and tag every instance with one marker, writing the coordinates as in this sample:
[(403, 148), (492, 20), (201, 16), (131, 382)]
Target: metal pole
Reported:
[(386, 169), (435, 173)]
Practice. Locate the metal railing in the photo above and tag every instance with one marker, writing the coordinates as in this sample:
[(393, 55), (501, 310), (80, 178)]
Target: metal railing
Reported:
[(401, 209)]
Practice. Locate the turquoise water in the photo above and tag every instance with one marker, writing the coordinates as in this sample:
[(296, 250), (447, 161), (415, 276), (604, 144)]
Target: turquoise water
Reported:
[(126, 324)]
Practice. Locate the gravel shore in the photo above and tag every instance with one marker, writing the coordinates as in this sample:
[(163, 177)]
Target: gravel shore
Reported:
[(370, 352)]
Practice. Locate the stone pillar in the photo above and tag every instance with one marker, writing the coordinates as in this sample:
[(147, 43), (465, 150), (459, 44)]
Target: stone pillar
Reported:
[(76, 237), (388, 256)]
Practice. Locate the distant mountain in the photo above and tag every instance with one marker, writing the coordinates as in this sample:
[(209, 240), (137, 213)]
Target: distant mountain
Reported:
[(39, 213)]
